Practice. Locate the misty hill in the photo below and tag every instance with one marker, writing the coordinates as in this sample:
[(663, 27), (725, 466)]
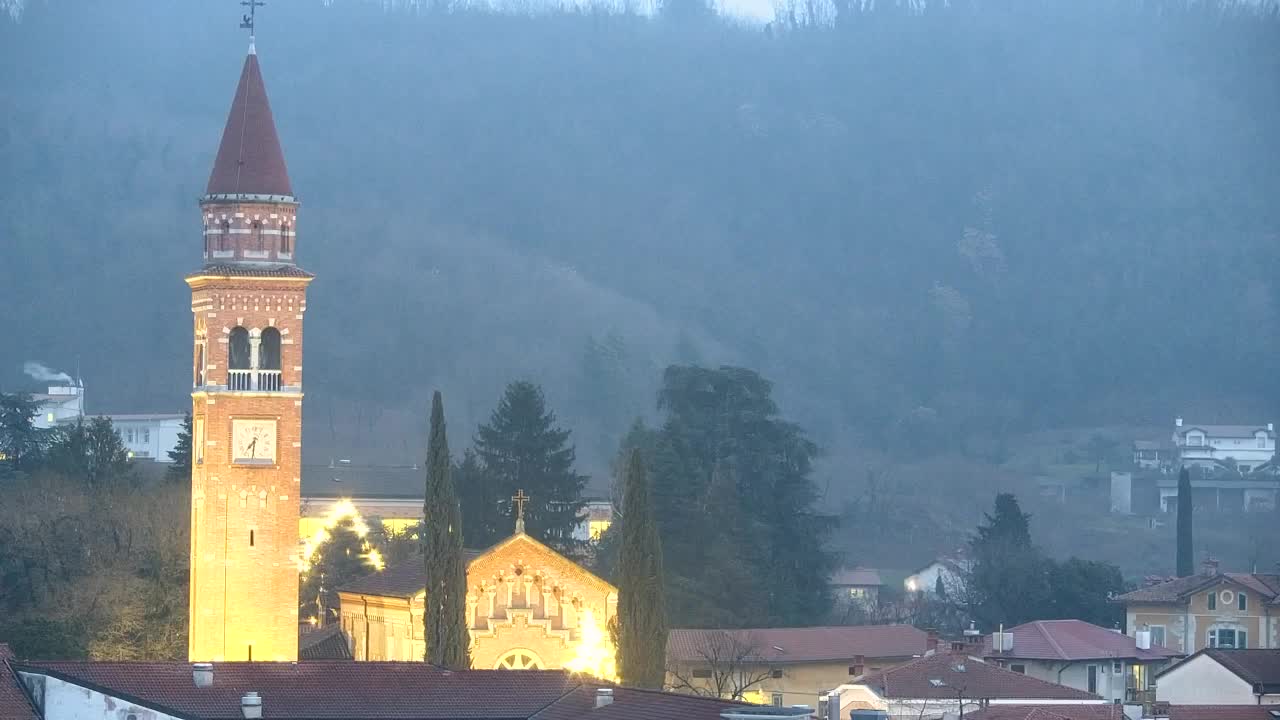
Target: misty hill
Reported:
[(932, 230)]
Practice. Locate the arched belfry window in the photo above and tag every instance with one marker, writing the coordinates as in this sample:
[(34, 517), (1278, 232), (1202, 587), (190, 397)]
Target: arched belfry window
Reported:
[(238, 349), (286, 242), (224, 236), (260, 243), (199, 376), (269, 351), (208, 241)]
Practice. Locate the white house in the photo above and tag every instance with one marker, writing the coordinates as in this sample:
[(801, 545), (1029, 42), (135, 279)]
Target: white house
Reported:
[(1083, 656), (149, 436), (1208, 446), (1215, 676), (951, 569), (62, 403)]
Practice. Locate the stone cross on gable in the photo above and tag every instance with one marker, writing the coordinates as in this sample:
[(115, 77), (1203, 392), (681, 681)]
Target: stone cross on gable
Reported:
[(519, 499)]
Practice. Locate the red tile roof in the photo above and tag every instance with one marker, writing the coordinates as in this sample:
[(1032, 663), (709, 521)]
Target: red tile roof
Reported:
[(1223, 712), (1259, 668), (1105, 711), (795, 645), (1072, 640), (14, 704), (969, 676), (1177, 589), (250, 161), (328, 643), (374, 691)]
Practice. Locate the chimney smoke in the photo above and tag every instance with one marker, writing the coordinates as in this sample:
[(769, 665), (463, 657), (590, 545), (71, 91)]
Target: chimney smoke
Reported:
[(45, 374)]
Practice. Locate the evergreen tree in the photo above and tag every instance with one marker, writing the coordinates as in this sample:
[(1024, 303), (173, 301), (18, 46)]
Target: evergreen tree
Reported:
[(727, 415), (1082, 589), (1009, 579), (1186, 550), (180, 455), (92, 452), (445, 614), (481, 502), (337, 560), (521, 448), (22, 444), (642, 626)]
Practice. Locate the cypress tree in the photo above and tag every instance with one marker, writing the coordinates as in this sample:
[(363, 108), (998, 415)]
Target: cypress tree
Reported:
[(642, 627), (444, 615), (1185, 548)]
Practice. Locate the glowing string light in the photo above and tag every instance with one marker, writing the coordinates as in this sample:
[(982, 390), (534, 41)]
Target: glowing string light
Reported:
[(340, 512), (595, 653)]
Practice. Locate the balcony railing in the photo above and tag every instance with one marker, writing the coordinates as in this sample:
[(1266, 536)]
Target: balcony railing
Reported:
[(254, 380)]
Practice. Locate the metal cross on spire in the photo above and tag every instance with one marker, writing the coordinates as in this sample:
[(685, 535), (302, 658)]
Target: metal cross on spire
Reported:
[(519, 499), (248, 21)]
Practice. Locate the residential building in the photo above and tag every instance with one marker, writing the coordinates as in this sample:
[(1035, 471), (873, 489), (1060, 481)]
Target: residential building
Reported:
[(856, 586), (149, 436), (1223, 677), (945, 684), (951, 569), (62, 403), (1244, 446), (1222, 490), (335, 691), (1218, 712), (785, 666), (1083, 656), (528, 607), (1210, 609), (1155, 454)]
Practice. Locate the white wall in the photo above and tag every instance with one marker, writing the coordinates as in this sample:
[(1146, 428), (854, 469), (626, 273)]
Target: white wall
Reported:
[(152, 437), (1202, 681), (61, 700)]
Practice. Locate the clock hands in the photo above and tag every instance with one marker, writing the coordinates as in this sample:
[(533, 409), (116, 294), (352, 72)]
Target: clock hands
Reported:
[(253, 448)]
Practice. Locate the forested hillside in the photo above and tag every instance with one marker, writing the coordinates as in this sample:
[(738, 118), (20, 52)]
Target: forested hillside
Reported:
[(930, 230)]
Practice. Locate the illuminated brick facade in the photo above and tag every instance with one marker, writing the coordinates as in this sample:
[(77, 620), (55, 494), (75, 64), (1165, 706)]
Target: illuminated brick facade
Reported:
[(248, 301)]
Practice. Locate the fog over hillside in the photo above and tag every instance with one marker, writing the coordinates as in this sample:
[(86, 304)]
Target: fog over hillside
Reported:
[(935, 231)]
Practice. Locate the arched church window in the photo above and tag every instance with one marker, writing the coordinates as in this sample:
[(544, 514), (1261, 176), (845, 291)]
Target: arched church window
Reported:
[(519, 659), (238, 350), (286, 242), (199, 375), (269, 351)]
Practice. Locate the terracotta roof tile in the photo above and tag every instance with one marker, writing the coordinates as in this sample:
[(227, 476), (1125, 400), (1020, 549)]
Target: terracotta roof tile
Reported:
[(328, 643), (1256, 667), (1104, 711), (630, 704), (1177, 589), (250, 161), (14, 703), (1072, 640), (336, 690), (978, 680), (1223, 712), (251, 270), (793, 645)]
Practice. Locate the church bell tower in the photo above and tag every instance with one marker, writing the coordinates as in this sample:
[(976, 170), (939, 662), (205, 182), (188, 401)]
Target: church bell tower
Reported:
[(247, 302)]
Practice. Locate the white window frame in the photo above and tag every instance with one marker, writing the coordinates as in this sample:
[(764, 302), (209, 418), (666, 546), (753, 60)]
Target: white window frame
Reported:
[(1152, 629)]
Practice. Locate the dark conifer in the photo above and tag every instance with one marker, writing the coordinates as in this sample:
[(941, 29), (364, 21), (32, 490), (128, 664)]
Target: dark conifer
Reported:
[(642, 626), (446, 574), (1185, 548)]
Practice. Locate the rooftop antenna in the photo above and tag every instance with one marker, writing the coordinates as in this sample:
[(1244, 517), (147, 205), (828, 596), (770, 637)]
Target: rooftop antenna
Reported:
[(247, 22)]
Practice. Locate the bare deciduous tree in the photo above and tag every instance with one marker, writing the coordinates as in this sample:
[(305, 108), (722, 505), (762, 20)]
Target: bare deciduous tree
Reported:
[(728, 664)]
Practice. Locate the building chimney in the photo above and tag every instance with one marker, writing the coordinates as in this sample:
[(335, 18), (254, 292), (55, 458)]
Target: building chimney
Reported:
[(1209, 567), (202, 674), (1143, 639), (1271, 427), (251, 706), (833, 706), (1177, 422), (604, 696)]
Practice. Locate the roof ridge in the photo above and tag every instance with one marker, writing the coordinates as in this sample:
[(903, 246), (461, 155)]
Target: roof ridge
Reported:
[(1062, 654)]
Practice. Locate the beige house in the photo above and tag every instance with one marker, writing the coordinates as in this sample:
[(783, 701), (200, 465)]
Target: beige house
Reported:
[(1223, 677), (785, 666), (1208, 610), (528, 608)]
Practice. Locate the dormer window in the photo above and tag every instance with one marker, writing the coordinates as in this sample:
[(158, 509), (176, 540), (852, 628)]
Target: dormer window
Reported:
[(1195, 439)]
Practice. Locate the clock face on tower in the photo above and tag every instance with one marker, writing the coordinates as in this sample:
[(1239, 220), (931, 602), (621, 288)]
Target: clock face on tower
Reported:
[(253, 441)]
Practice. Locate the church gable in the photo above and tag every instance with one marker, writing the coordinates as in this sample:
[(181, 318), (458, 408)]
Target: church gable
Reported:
[(520, 554)]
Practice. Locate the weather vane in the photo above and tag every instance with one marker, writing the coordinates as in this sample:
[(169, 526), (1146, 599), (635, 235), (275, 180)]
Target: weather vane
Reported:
[(247, 22)]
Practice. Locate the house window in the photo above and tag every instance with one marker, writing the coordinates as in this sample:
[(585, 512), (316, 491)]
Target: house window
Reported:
[(1021, 669), (1241, 603), (224, 236), (259, 241), (855, 670), (702, 673), (777, 700), (857, 593), (1224, 638), (146, 435), (1117, 667), (1093, 679), (1213, 601), (131, 436), (775, 673), (250, 538), (1157, 635), (1262, 441)]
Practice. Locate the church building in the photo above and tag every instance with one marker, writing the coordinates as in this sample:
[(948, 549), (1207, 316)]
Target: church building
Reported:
[(528, 608), (247, 303)]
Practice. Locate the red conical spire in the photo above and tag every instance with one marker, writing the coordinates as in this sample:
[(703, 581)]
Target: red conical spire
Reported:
[(250, 161)]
